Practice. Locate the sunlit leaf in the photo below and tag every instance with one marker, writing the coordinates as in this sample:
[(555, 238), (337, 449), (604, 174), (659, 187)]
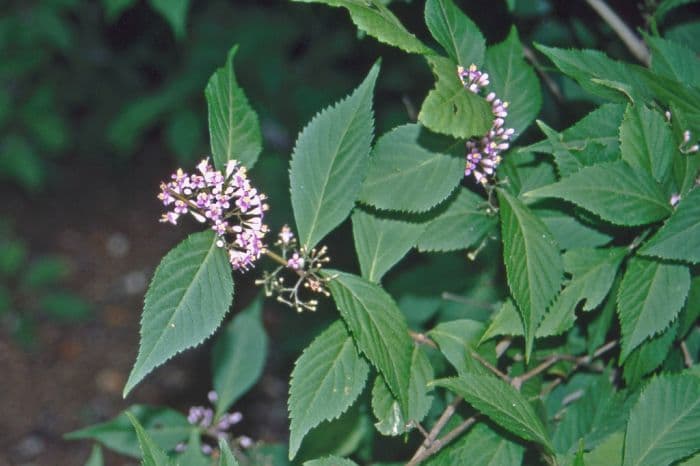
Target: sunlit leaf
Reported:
[(234, 130), (326, 380), (329, 162), (187, 299)]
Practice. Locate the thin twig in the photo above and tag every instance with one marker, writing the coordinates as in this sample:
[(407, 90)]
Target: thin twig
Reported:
[(580, 361), (490, 366), (422, 339), (548, 81), (518, 381), (687, 358), (434, 432), (438, 444), (502, 346), (635, 45)]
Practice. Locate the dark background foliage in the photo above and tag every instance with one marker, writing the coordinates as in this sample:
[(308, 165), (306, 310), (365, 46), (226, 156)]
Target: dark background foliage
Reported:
[(96, 107)]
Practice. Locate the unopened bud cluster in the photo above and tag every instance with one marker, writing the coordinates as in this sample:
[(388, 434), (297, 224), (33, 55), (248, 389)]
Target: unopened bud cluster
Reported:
[(306, 266), (227, 201), (214, 428), (484, 155)]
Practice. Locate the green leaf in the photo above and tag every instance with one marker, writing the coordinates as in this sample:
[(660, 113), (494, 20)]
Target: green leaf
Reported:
[(451, 109), (614, 191), (502, 403), (457, 339), (341, 437), (561, 316), (664, 425), (378, 328), (330, 461), (405, 176), (691, 311), (685, 34), (692, 461), (238, 356), (64, 306), (667, 5), (234, 130), (21, 164), (525, 171), (329, 162), (571, 231), (183, 134), (151, 454), (514, 81), (326, 380), (566, 162), (45, 271), (593, 139), (679, 238), (226, 458), (114, 8), (505, 321), (685, 169), (13, 254), (651, 295), (646, 357), (673, 60), (381, 242), (374, 18), (460, 224), (608, 453), (193, 455), (457, 34), (165, 426), (533, 264), (599, 412), (482, 446), (596, 270), (593, 273), (174, 12), (387, 409), (586, 66), (96, 458), (646, 141), (600, 75), (189, 295)]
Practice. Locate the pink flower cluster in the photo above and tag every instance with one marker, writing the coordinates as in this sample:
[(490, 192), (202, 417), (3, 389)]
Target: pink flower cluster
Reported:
[(484, 155), (216, 428), (227, 201)]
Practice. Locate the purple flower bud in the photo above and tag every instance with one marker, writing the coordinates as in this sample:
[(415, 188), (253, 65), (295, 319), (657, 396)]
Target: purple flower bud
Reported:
[(245, 442), (675, 199)]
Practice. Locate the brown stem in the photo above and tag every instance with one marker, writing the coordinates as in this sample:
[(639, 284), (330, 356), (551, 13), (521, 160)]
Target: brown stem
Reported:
[(422, 339), (490, 366), (439, 444), (429, 441), (548, 81), (578, 362), (687, 358), (518, 381)]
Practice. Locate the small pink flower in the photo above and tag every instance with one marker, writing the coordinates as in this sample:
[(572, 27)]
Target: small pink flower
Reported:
[(295, 262)]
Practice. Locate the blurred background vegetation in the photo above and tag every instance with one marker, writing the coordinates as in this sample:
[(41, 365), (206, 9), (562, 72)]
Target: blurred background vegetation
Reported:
[(97, 91)]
